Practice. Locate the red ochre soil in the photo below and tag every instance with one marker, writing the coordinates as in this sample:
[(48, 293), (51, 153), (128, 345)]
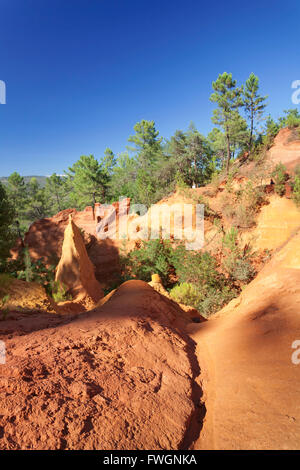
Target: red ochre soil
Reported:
[(120, 377)]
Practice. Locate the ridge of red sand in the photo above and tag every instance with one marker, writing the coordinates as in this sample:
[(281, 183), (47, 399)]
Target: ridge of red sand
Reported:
[(119, 377), (250, 384)]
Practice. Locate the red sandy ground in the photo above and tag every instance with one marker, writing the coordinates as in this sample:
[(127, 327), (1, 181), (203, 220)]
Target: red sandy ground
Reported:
[(119, 377), (251, 385)]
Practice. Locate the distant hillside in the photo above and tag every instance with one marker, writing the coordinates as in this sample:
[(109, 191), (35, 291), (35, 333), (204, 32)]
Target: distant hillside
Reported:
[(41, 179)]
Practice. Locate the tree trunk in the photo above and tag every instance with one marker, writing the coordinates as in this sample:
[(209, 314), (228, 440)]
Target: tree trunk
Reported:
[(228, 154), (58, 202), (251, 132), (94, 204)]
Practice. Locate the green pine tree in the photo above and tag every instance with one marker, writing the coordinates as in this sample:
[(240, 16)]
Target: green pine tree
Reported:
[(228, 98), (254, 104), (56, 191), (7, 215), (88, 181), (37, 206)]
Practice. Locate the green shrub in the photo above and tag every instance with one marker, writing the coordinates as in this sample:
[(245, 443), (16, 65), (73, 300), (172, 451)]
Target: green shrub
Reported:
[(198, 268), (230, 239), (3, 301), (228, 204), (237, 260), (202, 284), (296, 191), (59, 292), (240, 269), (291, 119), (5, 281), (279, 176), (244, 217), (186, 294), (154, 256), (216, 299), (35, 271), (7, 233), (252, 196)]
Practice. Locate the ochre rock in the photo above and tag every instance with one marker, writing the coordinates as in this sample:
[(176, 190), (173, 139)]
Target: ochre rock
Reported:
[(250, 382), (75, 270), (275, 223), (286, 149)]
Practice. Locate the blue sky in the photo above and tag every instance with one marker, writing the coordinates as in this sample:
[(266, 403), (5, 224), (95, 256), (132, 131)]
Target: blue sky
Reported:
[(81, 73)]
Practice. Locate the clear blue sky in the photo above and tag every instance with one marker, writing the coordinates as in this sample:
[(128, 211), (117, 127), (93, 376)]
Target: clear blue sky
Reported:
[(81, 73)]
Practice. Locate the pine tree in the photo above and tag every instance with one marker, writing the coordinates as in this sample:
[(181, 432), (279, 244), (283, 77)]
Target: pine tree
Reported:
[(148, 156), (228, 98), (217, 142), (108, 162), (123, 179), (88, 181), (7, 234), (17, 193), (37, 206), (147, 143), (254, 104), (56, 192), (291, 119), (199, 156)]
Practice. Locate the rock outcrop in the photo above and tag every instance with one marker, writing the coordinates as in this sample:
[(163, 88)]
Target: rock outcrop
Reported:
[(75, 271), (276, 222), (286, 149), (45, 239)]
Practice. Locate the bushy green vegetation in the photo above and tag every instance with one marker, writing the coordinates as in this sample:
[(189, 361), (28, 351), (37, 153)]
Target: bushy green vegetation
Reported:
[(291, 119), (5, 281), (279, 176), (59, 292), (296, 187), (240, 207), (186, 294), (194, 278), (24, 268), (153, 256), (7, 233), (237, 261)]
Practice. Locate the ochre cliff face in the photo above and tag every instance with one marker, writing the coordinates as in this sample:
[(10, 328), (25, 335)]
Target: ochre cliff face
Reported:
[(286, 149), (275, 223)]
